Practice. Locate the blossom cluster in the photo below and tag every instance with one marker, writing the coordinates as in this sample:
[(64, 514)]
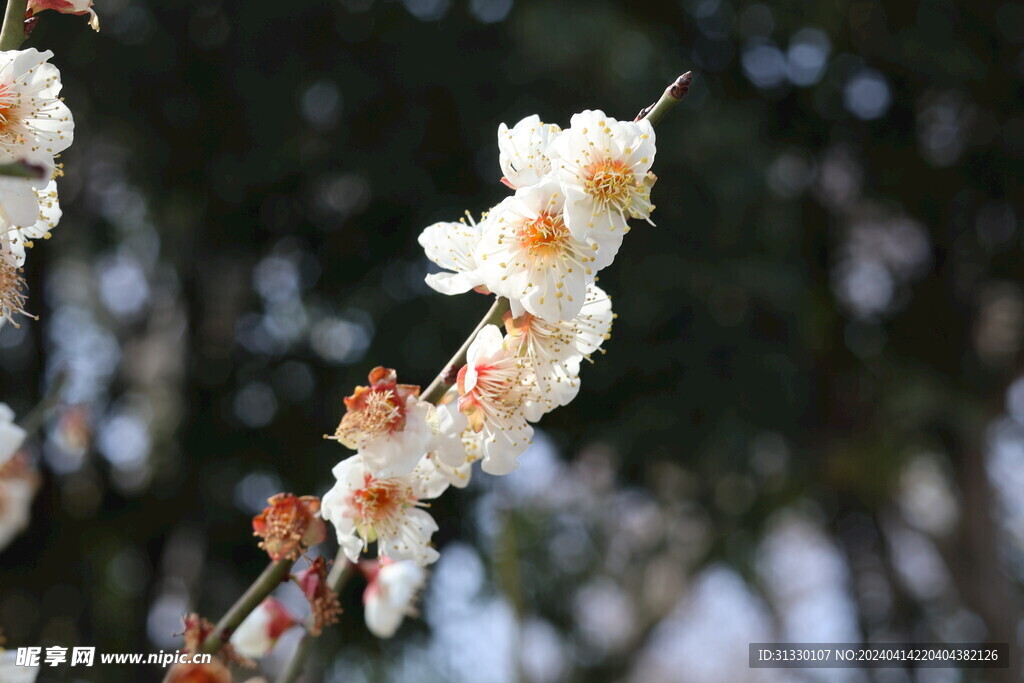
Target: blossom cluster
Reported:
[(35, 127), (538, 251)]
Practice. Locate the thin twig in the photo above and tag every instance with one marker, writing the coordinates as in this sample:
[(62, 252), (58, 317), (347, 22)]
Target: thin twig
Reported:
[(271, 578), (446, 378), (33, 421), (12, 35), (673, 94)]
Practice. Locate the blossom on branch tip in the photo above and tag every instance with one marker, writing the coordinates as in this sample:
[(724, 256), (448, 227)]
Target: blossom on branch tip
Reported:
[(450, 245), (491, 395), (604, 168), (289, 526), (33, 119), (258, 633), (387, 423), (530, 256), (365, 508), (523, 151), (323, 601), (391, 594), (79, 7)]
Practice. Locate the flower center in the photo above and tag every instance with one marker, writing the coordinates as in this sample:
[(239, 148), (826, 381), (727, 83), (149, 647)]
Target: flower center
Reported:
[(8, 112), (610, 181), (378, 500), (381, 412), (12, 296), (543, 235)]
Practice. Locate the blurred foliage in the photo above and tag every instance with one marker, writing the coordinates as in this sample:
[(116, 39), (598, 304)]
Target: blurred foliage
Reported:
[(832, 292)]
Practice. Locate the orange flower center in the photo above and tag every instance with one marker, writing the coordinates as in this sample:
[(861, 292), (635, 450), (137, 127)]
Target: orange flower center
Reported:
[(610, 181), (379, 499), (543, 235)]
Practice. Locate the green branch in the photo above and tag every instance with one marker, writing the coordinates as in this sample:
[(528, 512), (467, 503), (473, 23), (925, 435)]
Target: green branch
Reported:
[(13, 33)]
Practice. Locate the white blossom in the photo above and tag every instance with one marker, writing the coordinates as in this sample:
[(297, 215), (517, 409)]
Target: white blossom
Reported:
[(523, 151), (491, 395), (11, 672), (258, 633), (364, 508), (18, 485), (33, 120), (387, 423), (26, 214), (390, 596), (455, 446), (451, 245), (604, 168), (11, 435), (552, 351), (530, 256)]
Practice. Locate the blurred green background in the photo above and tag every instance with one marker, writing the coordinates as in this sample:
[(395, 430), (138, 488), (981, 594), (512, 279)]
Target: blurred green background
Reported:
[(808, 425)]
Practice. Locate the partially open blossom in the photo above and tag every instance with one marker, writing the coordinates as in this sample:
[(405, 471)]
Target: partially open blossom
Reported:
[(67, 7), (530, 256), (387, 423), (604, 168), (11, 435), (214, 672), (523, 151), (390, 596), (18, 486), (451, 245), (552, 351), (38, 213), (12, 672), (448, 449), (323, 601), (33, 119), (289, 526), (491, 395), (258, 633), (365, 508)]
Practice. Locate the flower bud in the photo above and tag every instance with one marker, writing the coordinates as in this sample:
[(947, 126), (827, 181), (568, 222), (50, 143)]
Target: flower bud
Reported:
[(66, 7)]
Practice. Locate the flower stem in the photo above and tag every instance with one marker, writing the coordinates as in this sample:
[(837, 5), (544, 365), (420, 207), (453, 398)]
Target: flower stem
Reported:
[(271, 578), (338, 577), (675, 92), (446, 378), (13, 33)]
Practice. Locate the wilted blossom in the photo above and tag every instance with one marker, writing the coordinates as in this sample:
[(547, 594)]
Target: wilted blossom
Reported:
[(323, 601), (289, 526), (387, 423)]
